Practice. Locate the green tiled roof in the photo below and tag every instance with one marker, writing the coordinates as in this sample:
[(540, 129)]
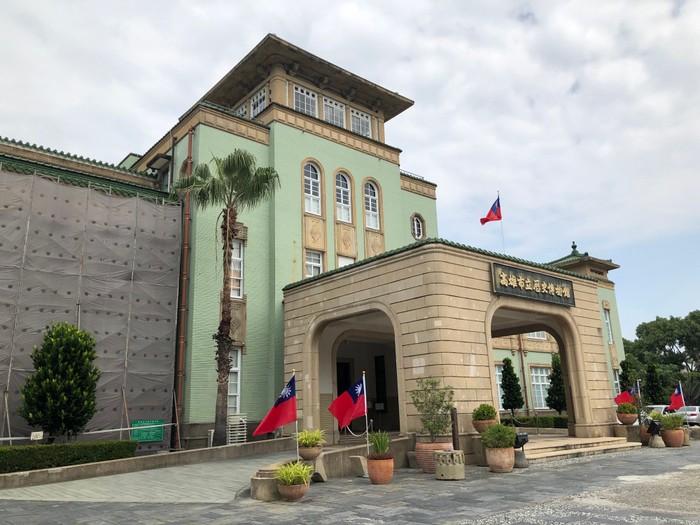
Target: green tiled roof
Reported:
[(444, 242)]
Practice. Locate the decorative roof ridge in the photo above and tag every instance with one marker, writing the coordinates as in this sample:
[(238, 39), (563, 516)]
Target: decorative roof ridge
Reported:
[(444, 242), (416, 177), (74, 157)]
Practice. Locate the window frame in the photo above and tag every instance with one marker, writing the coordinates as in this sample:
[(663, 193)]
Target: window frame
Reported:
[(317, 264), (236, 353), (240, 278), (305, 101), (536, 335), (372, 215), (313, 204), (258, 102), (346, 260), (539, 385), (335, 109), (616, 381), (416, 219), (357, 121), (343, 211), (499, 389), (608, 325)]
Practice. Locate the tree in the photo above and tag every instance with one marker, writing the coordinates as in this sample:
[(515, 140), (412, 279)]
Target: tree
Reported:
[(236, 185), (556, 399), (652, 390), (510, 385), (60, 395), (434, 405)]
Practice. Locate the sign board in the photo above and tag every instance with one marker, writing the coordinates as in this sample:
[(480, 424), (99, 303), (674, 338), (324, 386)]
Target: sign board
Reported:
[(147, 435), (509, 280), (37, 436)]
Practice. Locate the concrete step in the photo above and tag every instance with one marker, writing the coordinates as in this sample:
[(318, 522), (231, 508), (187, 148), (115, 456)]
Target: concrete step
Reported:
[(539, 455), (553, 445)]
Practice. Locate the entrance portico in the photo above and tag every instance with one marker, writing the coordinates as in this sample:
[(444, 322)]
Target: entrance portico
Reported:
[(431, 309)]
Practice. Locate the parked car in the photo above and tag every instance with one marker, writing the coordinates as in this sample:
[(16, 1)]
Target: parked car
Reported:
[(691, 414)]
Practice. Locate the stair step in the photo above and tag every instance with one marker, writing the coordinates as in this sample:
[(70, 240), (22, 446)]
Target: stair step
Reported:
[(571, 444), (566, 453)]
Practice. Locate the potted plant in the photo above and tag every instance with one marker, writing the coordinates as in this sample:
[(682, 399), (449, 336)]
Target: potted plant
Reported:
[(434, 405), (380, 462), (311, 443), (627, 413), (499, 441), (483, 416), (672, 430), (644, 435), (293, 480)]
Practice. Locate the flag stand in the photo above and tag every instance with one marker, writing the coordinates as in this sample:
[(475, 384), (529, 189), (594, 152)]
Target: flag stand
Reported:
[(364, 389)]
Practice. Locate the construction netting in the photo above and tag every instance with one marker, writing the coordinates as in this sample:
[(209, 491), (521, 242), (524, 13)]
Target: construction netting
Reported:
[(107, 264)]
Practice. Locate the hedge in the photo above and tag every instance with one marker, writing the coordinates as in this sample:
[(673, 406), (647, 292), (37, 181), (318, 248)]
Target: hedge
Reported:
[(33, 457), (539, 421)]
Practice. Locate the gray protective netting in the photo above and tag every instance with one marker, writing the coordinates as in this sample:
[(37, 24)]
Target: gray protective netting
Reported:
[(108, 264)]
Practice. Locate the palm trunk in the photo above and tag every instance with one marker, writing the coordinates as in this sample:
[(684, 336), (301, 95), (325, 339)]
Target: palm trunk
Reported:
[(222, 336)]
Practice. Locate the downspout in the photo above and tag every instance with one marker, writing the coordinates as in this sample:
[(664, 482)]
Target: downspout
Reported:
[(184, 280), (522, 369)]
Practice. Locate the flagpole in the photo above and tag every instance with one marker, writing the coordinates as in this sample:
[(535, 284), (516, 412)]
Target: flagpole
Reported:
[(503, 237), (364, 389), (639, 408), (296, 419)]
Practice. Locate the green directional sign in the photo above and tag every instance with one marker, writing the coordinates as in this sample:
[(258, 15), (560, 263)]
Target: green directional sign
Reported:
[(147, 435)]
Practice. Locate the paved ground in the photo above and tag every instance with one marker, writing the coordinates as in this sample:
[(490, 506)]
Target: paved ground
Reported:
[(644, 486)]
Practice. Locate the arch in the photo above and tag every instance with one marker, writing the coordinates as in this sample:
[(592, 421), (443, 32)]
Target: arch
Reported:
[(418, 226), (344, 197), (312, 187), (373, 209)]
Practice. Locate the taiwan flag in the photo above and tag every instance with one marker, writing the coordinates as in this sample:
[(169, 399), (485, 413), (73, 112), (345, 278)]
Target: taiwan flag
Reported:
[(282, 412), (677, 400), (350, 404), (494, 213), (627, 396)]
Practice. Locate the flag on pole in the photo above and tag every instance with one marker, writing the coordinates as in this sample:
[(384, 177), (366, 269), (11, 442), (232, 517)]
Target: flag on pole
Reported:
[(627, 396), (494, 213), (677, 400), (282, 412), (349, 405)]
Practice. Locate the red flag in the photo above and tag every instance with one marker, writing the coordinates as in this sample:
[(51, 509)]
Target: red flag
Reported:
[(677, 400), (625, 397), (494, 213), (350, 404), (282, 412)]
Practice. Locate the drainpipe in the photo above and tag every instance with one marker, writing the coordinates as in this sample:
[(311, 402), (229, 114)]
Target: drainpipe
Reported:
[(184, 280), (522, 368)]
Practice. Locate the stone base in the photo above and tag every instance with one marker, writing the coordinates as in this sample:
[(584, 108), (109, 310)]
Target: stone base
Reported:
[(449, 465), (656, 442), (520, 459), (412, 460), (358, 465)]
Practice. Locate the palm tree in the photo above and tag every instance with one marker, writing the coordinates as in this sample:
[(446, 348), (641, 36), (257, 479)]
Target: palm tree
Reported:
[(237, 184)]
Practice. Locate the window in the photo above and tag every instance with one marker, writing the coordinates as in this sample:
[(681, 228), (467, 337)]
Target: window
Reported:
[(234, 382), (344, 261), (417, 227), (537, 335), (359, 123), (258, 103), (312, 189), (237, 269), (371, 206), (539, 378), (342, 198), (608, 325), (616, 381), (499, 378), (305, 101), (333, 112), (242, 110), (314, 263)]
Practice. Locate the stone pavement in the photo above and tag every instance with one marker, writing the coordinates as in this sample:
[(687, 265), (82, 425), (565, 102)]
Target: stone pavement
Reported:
[(643, 486)]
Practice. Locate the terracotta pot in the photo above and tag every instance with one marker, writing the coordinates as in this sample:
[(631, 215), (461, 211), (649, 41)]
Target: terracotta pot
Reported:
[(309, 453), (483, 424), (380, 471), (293, 492), (425, 455), (673, 438), (644, 435), (500, 459), (627, 419)]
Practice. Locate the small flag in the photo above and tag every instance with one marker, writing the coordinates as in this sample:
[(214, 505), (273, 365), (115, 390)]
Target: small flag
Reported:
[(627, 396), (677, 400), (282, 412), (494, 213), (350, 404)]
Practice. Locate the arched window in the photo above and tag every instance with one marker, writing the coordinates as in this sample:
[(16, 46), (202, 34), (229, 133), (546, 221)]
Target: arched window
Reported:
[(417, 227), (312, 189), (343, 202), (371, 206)]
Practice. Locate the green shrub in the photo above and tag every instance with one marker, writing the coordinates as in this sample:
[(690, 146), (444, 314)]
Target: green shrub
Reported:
[(626, 408), (498, 436), (33, 457), (311, 438), (294, 473), (672, 421), (380, 444), (539, 421), (484, 412), (434, 405)]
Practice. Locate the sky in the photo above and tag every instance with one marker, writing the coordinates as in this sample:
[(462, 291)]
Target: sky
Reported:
[(583, 114)]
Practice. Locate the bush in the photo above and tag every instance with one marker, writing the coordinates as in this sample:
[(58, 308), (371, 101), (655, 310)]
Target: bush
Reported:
[(34, 457), (434, 405), (294, 473), (672, 421), (311, 438), (626, 408), (539, 421), (484, 412), (380, 444), (498, 436)]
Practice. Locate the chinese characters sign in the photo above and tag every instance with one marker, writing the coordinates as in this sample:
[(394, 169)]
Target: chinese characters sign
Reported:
[(146, 435), (531, 285)]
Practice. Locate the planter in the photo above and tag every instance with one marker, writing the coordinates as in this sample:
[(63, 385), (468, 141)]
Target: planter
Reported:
[(644, 435), (293, 492), (425, 455), (449, 465), (673, 438), (627, 419), (310, 453), (500, 459), (481, 425), (380, 471)]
